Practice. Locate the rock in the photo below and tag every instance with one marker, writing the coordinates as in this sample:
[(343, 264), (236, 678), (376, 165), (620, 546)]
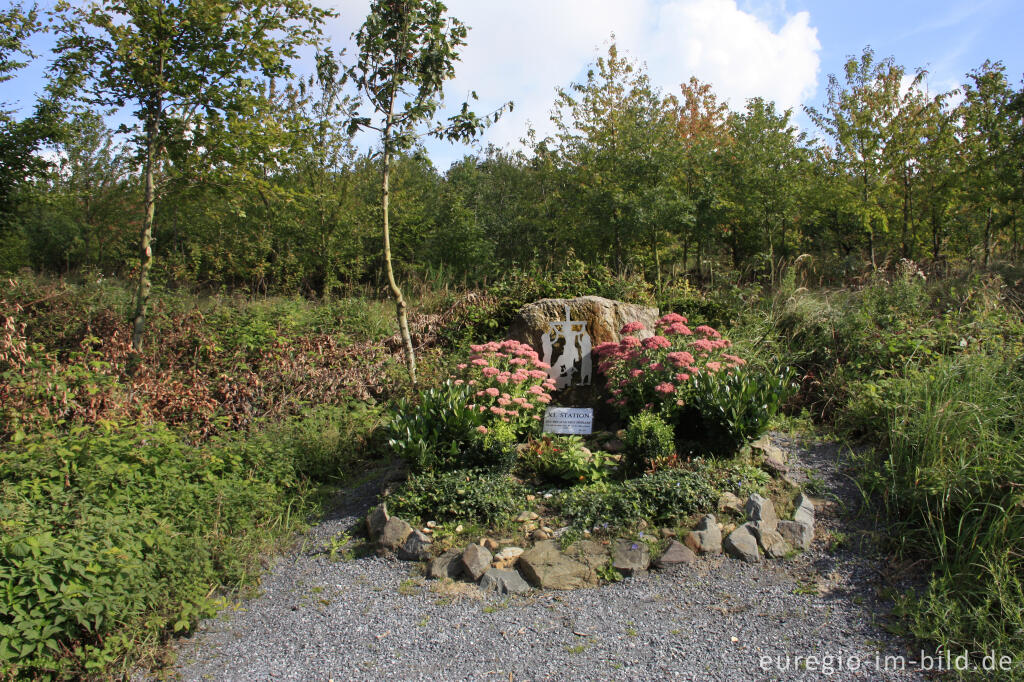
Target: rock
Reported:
[(448, 565), (376, 519), (531, 498), (676, 553), (730, 503), (667, 533), (774, 457), (771, 541), (431, 524), (416, 547), (706, 538), (459, 528), (490, 544), (592, 554), (476, 560), (394, 533), (426, 531), (797, 534), (547, 568), (741, 544), (527, 516), (540, 534), (631, 558), (604, 318), (761, 510), (507, 557), (614, 446), (503, 582), (804, 510)]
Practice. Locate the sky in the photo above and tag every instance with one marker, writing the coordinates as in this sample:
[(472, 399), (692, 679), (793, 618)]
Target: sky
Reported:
[(783, 50)]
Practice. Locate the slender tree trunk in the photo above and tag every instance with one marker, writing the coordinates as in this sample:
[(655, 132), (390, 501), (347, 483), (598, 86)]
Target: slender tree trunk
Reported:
[(988, 236), (145, 242), (906, 214), (400, 304)]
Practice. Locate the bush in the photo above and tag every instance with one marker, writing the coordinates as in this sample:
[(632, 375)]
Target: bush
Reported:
[(466, 494), (440, 430), (664, 497), (648, 440), (564, 459), (111, 536)]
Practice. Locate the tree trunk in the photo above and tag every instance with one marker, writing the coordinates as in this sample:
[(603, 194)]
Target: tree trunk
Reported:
[(400, 304), (988, 237), (146, 239)]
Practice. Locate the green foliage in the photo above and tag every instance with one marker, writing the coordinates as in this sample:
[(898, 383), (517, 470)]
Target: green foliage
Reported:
[(742, 479), (664, 497), (438, 430), (733, 408), (648, 440), (947, 474), (464, 494), (114, 535), (564, 459)]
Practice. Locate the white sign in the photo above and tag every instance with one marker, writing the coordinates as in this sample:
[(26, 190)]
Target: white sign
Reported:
[(574, 340), (569, 420)]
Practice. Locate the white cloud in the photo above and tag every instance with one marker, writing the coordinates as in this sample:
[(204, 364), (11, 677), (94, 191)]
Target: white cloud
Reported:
[(523, 50)]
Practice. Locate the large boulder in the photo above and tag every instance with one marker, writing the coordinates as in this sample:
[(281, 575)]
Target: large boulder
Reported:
[(475, 561), (593, 554), (394, 533), (676, 553), (503, 582), (761, 510), (375, 521), (448, 565), (604, 318), (742, 544), (706, 538), (630, 558), (547, 568), (416, 547)]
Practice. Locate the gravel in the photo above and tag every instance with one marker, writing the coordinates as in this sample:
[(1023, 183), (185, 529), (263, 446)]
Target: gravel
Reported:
[(719, 619)]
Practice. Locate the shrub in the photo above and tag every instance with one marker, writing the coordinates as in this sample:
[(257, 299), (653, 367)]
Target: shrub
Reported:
[(111, 536), (465, 494), (510, 384), (439, 430), (648, 440), (564, 459), (664, 497)]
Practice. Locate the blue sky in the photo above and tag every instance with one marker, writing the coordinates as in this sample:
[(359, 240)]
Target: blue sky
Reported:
[(780, 49)]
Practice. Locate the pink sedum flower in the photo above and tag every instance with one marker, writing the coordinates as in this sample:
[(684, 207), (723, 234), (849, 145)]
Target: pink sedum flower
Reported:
[(665, 388), (631, 327)]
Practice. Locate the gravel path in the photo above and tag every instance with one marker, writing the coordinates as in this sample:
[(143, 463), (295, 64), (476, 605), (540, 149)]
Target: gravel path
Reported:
[(721, 619)]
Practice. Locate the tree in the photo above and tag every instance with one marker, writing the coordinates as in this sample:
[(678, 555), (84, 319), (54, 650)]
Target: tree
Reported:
[(407, 50), (860, 118), (186, 67)]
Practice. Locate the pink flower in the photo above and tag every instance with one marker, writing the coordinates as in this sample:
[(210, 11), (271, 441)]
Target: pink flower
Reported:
[(459, 382), (493, 392), (737, 361), (481, 429), (678, 328), (480, 362), (537, 417), (680, 358), (462, 365), (671, 318), (517, 361), (631, 327), (708, 331), (471, 382), (654, 342), (636, 373), (544, 399), (703, 345), (504, 401), (630, 342), (607, 347), (682, 376), (476, 347), (665, 388), (519, 377), (526, 405), (537, 374), (714, 366), (656, 366), (489, 371), (497, 410), (503, 377), (536, 390)]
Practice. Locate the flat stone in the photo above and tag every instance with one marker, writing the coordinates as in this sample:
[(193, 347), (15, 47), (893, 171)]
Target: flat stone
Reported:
[(540, 534), (503, 582), (448, 565), (593, 554), (376, 519), (761, 510), (394, 533), (706, 538), (544, 566), (490, 544), (676, 553), (797, 534), (527, 516), (507, 557), (476, 560), (741, 544), (416, 547), (631, 558)]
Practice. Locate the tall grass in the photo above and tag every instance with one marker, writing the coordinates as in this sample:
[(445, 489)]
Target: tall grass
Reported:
[(952, 481)]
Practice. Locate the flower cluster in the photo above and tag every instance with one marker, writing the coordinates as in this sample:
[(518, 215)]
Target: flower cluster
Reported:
[(656, 373), (508, 381)]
